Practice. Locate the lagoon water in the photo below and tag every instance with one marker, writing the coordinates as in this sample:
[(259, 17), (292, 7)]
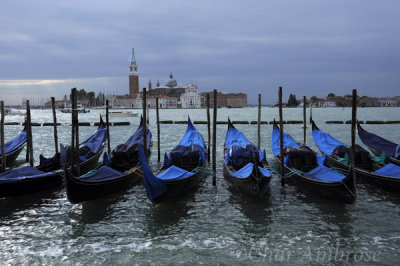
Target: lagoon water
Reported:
[(212, 226)]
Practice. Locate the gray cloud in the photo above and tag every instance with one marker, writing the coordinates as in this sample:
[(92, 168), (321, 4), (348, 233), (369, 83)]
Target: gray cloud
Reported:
[(309, 47)]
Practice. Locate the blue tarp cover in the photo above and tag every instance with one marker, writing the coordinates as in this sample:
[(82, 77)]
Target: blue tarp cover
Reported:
[(190, 147), (325, 142), (380, 144), (389, 170), (103, 173), (155, 187), (235, 137), (325, 174), (174, 173), (246, 171), (275, 141), (22, 173), (137, 138), (14, 143), (192, 136), (240, 151), (97, 140)]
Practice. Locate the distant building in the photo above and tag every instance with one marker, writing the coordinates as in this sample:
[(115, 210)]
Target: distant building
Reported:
[(171, 95), (230, 100), (388, 102)]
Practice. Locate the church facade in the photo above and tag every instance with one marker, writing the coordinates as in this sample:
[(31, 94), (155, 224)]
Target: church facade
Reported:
[(172, 94)]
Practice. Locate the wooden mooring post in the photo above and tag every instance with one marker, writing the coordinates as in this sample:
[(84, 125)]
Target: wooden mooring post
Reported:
[(353, 134), (158, 131), (281, 136), (208, 127), (214, 142), (144, 106), (259, 122), (53, 107), (75, 135), (304, 121), (108, 128), (29, 134), (3, 152)]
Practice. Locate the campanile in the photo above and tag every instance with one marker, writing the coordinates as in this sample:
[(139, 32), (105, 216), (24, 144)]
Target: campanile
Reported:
[(133, 77)]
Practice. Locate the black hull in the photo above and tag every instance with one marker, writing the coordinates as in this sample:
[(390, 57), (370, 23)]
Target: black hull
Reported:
[(79, 190), (179, 188), (387, 183), (12, 156), (91, 163), (30, 185), (339, 191), (248, 186), (84, 167)]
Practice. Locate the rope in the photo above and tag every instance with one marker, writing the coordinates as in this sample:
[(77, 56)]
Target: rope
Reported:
[(204, 170), (285, 176)]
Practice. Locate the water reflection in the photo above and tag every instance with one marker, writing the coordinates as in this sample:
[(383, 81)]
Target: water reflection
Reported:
[(166, 216), (9, 206)]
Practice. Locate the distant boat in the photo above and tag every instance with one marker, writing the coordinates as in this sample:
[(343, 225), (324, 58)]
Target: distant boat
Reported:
[(121, 114), (9, 111), (80, 109)]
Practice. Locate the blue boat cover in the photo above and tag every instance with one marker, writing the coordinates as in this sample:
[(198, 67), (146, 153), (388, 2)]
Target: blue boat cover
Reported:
[(190, 152), (137, 138), (240, 151), (96, 142), (103, 173), (389, 170), (192, 136), (325, 142), (235, 137), (238, 156), (174, 173), (22, 173), (246, 171), (380, 144), (15, 143), (155, 187), (287, 141), (325, 174)]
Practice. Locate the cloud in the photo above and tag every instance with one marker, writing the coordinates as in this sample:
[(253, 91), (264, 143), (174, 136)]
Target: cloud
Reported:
[(313, 46)]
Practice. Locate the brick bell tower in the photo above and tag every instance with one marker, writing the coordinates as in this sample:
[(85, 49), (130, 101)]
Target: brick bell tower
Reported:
[(133, 77)]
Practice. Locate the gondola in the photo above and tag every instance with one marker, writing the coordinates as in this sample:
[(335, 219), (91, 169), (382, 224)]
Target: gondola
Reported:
[(378, 145), (244, 164), (14, 147), (118, 172), (89, 153), (307, 170), (182, 171), (366, 169), (26, 180)]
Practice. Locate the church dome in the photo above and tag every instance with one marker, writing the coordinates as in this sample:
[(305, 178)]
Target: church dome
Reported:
[(171, 82)]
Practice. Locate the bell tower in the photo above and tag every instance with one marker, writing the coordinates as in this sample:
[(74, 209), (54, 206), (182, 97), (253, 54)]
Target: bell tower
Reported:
[(133, 77)]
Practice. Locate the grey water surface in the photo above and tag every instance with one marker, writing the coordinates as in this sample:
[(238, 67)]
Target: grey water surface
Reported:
[(212, 226)]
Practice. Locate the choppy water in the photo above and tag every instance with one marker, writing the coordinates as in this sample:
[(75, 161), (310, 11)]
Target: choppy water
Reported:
[(211, 226)]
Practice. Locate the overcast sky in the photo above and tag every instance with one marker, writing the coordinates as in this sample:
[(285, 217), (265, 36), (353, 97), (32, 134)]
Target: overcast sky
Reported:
[(310, 47)]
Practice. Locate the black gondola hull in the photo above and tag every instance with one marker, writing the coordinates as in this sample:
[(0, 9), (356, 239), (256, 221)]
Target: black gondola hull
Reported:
[(12, 156), (344, 191), (391, 184), (30, 185), (79, 190), (248, 186), (179, 188)]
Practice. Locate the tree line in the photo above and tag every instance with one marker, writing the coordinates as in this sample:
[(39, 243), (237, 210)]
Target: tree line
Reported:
[(88, 98)]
